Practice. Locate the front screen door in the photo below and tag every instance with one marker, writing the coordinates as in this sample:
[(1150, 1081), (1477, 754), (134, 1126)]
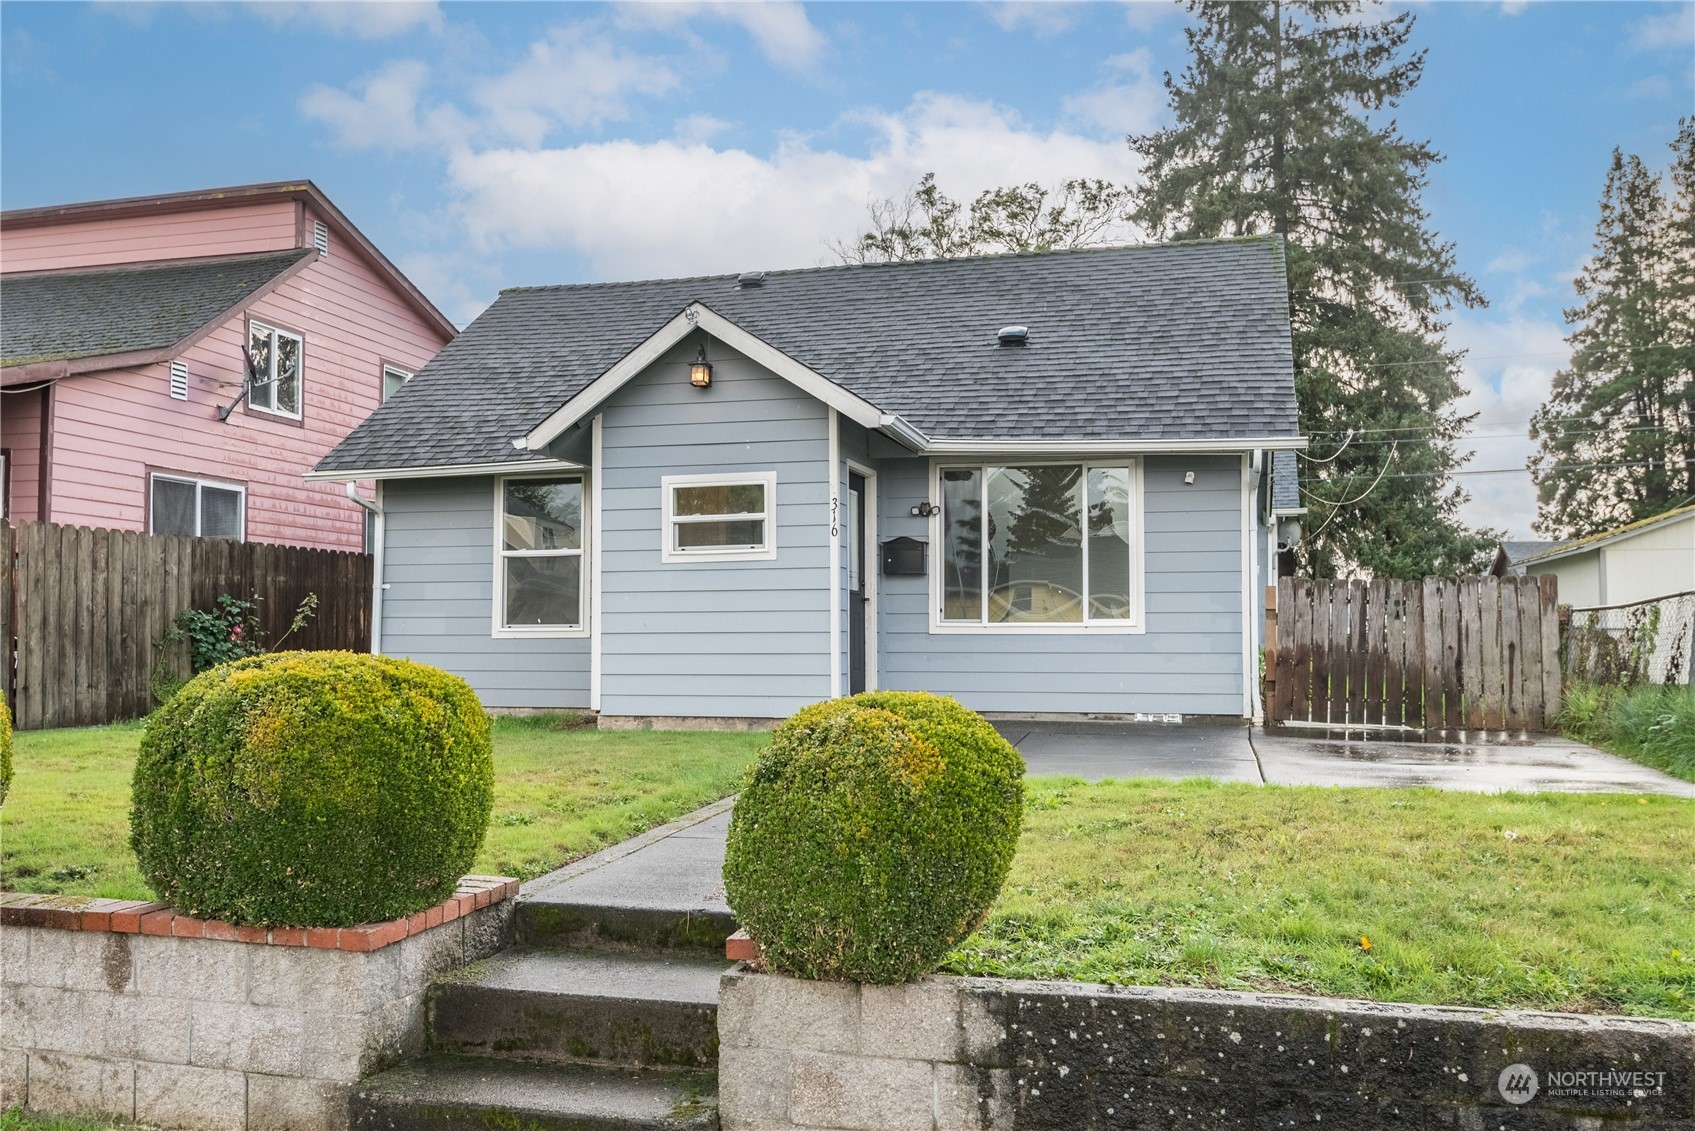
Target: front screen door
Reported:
[(856, 583)]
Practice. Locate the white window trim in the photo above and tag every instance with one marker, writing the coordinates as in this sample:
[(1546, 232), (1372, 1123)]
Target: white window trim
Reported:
[(1135, 625), (500, 629), (405, 375), (271, 377), (767, 552), (198, 484)]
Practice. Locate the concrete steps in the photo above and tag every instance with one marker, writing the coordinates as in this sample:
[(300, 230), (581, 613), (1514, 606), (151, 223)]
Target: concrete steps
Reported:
[(603, 1018), (627, 1009), (475, 1094)]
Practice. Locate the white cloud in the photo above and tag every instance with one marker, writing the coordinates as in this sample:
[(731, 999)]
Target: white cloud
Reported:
[(1674, 28), (698, 128), (1129, 101), (575, 77), (634, 209), (1145, 15), (780, 28), (1508, 374), (1044, 18), (363, 19), (383, 115)]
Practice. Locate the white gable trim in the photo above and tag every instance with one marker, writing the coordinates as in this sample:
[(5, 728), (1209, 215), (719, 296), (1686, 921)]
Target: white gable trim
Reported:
[(699, 316)]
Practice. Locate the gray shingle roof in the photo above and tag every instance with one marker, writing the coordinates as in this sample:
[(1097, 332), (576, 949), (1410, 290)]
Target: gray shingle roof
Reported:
[(1178, 341), (62, 315), (1285, 482), (1517, 551)]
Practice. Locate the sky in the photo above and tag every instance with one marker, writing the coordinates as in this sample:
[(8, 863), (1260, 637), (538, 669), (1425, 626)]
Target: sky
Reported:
[(491, 145)]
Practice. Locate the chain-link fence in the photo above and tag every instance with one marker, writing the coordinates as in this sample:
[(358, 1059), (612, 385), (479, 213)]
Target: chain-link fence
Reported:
[(1647, 642)]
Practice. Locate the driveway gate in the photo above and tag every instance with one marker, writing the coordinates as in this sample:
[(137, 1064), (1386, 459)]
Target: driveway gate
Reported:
[(1442, 654)]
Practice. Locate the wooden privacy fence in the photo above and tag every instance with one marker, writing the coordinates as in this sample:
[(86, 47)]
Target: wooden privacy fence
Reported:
[(1443, 654), (81, 610)]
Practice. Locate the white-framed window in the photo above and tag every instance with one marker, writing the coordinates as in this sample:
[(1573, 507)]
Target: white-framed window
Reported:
[(276, 356), (540, 534), (200, 508), (719, 518), (1038, 547), (393, 378)]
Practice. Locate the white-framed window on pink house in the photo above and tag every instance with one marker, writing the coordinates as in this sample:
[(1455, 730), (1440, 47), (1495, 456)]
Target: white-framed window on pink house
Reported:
[(198, 508), (275, 380)]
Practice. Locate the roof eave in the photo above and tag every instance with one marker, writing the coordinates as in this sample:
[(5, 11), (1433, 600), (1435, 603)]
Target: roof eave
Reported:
[(236, 197), (101, 363), (443, 471), (1597, 541), (991, 446)]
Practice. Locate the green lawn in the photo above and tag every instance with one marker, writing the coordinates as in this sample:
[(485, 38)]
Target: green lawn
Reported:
[(1548, 901), (561, 791)]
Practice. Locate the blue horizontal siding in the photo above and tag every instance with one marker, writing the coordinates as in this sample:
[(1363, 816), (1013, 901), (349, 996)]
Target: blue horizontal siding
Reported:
[(719, 639), (438, 563), (1188, 660)]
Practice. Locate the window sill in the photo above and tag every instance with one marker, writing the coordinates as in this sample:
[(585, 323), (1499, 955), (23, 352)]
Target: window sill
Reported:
[(1128, 629), (672, 557), (542, 632)]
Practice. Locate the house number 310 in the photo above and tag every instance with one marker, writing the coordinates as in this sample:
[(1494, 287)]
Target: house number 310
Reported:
[(835, 504)]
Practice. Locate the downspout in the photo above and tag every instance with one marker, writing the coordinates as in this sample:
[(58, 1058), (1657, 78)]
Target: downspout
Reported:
[(377, 539)]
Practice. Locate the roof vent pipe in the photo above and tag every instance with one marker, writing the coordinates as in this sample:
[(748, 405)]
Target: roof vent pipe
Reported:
[(1014, 335), (750, 279)]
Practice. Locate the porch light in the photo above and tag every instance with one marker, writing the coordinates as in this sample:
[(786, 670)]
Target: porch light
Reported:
[(700, 371)]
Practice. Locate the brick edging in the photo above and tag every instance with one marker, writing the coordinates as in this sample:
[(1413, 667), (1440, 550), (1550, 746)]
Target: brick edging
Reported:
[(139, 917)]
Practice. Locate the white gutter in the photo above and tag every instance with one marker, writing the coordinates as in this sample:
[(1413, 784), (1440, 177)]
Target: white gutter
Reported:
[(378, 532), (442, 471), (1230, 445)]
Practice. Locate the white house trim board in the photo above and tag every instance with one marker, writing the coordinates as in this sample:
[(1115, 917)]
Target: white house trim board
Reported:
[(996, 449), (596, 459), (516, 467), (870, 564), (834, 577), (1250, 584), (698, 316)]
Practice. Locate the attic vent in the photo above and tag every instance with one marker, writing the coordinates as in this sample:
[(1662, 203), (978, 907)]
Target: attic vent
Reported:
[(750, 279), (1014, 335), (179, 380), (321, 237)]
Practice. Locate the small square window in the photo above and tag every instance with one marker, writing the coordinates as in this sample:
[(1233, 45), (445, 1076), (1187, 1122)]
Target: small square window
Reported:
[(719, 518), (393, 378)]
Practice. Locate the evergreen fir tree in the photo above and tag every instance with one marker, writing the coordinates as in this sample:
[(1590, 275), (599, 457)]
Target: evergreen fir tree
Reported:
[(1617, 433), (1278, 132)]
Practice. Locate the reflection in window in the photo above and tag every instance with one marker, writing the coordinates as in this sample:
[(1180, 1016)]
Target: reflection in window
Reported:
[(542, 553), (724, 518), (275, 377), (1037, 544)]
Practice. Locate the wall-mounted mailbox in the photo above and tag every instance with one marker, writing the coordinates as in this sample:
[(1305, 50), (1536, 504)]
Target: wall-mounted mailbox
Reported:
[(903, 557)]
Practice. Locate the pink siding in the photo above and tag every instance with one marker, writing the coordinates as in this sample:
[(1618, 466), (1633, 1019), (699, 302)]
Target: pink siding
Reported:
[(267, 226), (110, 428), (20, 435)]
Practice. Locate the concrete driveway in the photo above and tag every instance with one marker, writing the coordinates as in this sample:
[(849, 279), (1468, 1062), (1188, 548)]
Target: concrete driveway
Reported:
[(1093, 751)]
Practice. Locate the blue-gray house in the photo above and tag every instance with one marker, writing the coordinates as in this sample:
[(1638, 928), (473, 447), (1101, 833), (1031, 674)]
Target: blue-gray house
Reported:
[(1038, 483)]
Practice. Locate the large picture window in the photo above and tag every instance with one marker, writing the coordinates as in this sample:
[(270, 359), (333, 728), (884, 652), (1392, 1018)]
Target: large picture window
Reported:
[(1039, 545), (719, 517), (195, 507), (540, 554), (275, 355)]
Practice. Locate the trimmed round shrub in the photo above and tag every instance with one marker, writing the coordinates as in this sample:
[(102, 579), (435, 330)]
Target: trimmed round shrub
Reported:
[(312, 789), (5, 750), (873, 835)]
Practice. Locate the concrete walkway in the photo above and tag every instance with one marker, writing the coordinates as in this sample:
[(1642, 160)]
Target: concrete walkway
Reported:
[(674, 871)]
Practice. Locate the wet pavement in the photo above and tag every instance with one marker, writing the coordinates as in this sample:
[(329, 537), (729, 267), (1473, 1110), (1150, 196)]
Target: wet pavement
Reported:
[(1098, 750)]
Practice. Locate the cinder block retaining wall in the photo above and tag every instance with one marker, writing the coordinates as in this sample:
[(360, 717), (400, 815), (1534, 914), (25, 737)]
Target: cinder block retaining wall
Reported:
[(128, 1010), (951, 1054)]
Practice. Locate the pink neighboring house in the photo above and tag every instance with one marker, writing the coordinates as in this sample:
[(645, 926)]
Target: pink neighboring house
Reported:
[(176, 363)]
